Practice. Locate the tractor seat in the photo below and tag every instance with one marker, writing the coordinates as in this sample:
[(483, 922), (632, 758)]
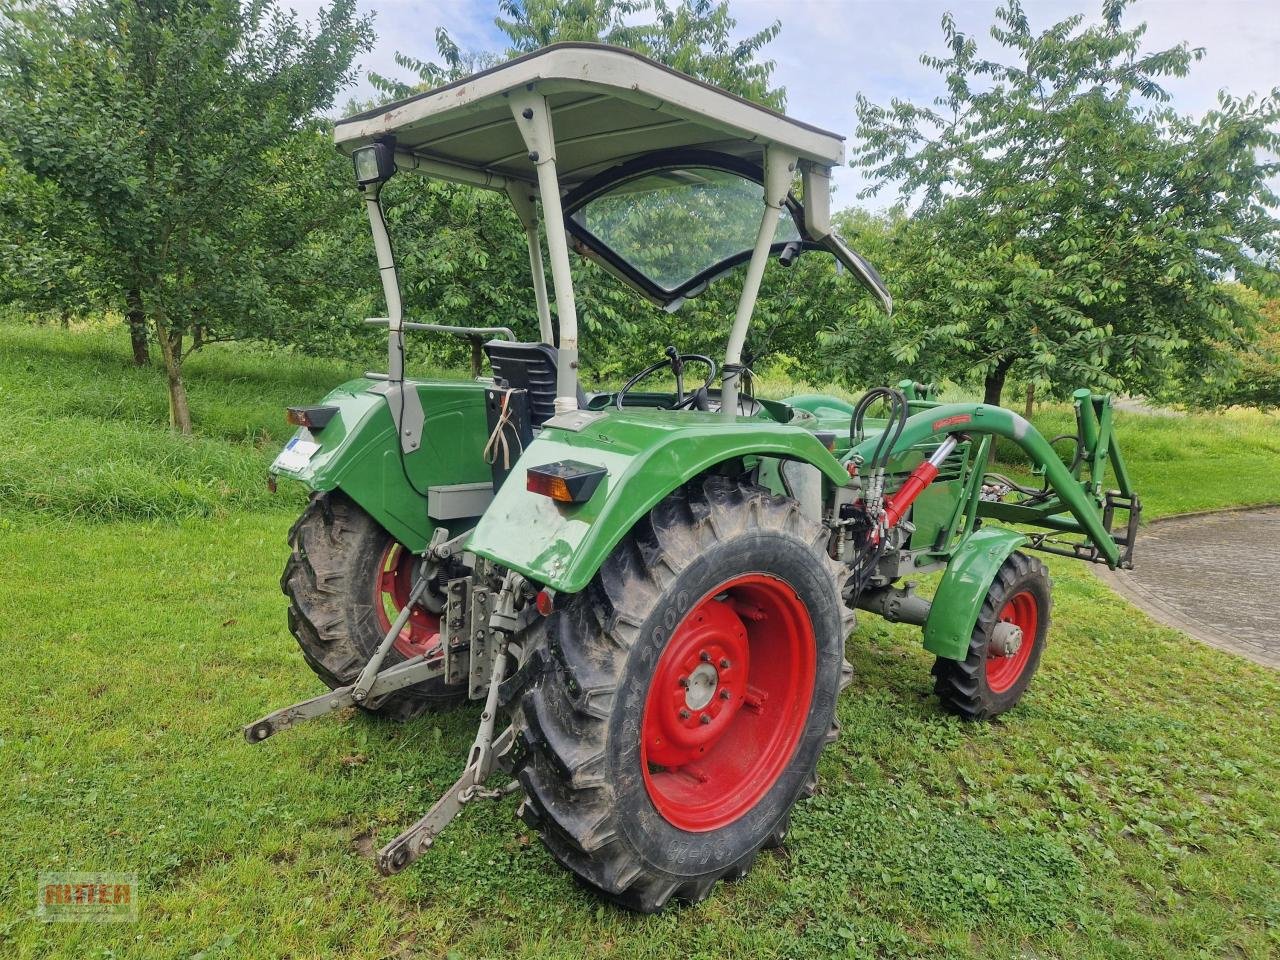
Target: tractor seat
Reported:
[(530, 367)]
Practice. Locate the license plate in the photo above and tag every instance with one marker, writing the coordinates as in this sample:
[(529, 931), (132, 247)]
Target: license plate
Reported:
[(295, 456)]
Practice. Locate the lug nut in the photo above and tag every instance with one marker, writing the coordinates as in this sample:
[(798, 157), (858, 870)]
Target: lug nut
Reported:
[(724, 663), (705, 718), (685, 714), (684, 682), (725, 695), (706, 657)]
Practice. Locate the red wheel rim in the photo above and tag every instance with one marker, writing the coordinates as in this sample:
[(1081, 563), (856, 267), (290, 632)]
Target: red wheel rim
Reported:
[(743, 658), (421, 634), (1023, 612)]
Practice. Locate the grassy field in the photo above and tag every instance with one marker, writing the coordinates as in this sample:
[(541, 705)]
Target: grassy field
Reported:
[(1130, 807)]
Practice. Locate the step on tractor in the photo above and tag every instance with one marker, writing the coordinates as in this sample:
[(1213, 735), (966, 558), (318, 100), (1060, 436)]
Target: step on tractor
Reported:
[(652, 587)]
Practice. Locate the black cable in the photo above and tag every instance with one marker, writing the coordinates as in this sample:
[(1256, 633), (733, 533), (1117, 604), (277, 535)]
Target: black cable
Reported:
[(1079, 454), (902, 412)]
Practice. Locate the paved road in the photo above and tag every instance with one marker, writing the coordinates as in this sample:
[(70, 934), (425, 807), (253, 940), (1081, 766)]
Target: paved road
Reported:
[(1215, 576)]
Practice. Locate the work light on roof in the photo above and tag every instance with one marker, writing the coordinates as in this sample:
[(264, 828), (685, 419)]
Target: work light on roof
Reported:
[(374, 163)]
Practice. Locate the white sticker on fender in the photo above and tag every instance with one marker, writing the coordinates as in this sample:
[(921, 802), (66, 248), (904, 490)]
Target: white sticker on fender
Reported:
[(297, 453)]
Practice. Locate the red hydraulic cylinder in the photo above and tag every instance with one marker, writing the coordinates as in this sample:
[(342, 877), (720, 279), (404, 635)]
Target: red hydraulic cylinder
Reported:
[(898, 505)]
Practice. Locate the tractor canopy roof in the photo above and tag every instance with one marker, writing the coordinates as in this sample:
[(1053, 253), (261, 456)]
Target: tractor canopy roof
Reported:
[(608, 105), (660, 174)]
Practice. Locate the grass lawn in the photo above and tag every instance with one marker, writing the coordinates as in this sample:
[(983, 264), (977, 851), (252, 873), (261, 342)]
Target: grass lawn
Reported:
[(1130, 807)]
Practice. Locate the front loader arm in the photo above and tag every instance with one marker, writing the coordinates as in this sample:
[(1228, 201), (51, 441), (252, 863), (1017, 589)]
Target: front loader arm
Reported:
[(1082, 499)]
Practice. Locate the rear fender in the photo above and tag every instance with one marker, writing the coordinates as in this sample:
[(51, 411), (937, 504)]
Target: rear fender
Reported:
[(964, 586), (359, 453), (648, 454)]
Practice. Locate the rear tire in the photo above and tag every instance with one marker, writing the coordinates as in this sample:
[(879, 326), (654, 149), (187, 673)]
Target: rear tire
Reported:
[(986, 684), (334, 581), (678, 705)]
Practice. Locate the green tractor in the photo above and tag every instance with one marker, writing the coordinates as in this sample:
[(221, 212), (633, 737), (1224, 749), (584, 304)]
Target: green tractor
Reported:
[(654, 587)]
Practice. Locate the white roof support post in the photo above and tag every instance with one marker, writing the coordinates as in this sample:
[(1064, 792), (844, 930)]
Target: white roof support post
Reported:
[(779, 167), (522, 200), (533, 118), (390, 284)]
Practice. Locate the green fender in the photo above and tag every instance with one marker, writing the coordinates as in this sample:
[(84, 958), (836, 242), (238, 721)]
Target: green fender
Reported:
[(964, 586), (647, 453), (360, 455)]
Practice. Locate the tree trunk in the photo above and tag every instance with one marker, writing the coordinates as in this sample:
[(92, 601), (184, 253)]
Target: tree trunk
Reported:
[(171, 351), (993, 386), (1031, 401), (137, 321)]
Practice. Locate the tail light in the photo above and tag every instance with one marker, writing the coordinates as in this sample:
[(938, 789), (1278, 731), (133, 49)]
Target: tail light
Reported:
[(566, 481), (313, 418)]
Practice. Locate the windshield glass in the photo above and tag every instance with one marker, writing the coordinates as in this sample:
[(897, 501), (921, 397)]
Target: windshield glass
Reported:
[(672, 225)]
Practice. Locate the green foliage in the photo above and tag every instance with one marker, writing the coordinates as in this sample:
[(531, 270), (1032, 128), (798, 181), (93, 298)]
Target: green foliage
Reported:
[(183, 133), (1070, 229), (693, 36), (1256, 379), (47, 264)]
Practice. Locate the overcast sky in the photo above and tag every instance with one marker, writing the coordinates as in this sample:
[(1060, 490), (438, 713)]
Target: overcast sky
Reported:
[(831, 50)]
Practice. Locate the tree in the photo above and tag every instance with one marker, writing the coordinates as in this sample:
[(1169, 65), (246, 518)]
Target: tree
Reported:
[(45, 264), (1256, 382), (1069, 227), (692, 36), (185, 131)]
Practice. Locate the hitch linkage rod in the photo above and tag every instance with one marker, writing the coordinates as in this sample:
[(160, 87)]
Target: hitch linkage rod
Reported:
[(373, 680)]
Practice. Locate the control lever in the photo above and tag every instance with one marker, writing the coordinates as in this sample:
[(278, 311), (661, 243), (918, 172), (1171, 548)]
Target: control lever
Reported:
[(677, 367)]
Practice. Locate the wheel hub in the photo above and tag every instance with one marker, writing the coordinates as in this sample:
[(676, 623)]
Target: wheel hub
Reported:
[(1012, 638), (699, 686), (1006, 639), (702, 686), (727, 703)]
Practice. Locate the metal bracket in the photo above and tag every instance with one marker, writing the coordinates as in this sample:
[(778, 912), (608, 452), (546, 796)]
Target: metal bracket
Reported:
[(1132, 505), (484, 643), (455, 629), (406, 411)]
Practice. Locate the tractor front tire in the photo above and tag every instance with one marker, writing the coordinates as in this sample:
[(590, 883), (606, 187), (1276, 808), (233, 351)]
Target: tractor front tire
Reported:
[(677, 706), (990, 680), (344, 576)]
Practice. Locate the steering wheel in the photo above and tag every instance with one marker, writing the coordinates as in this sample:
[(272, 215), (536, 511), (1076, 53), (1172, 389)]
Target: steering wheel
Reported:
[(675, 362)]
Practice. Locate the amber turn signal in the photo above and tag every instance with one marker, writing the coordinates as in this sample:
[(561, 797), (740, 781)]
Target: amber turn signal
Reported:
[(566, 481)]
